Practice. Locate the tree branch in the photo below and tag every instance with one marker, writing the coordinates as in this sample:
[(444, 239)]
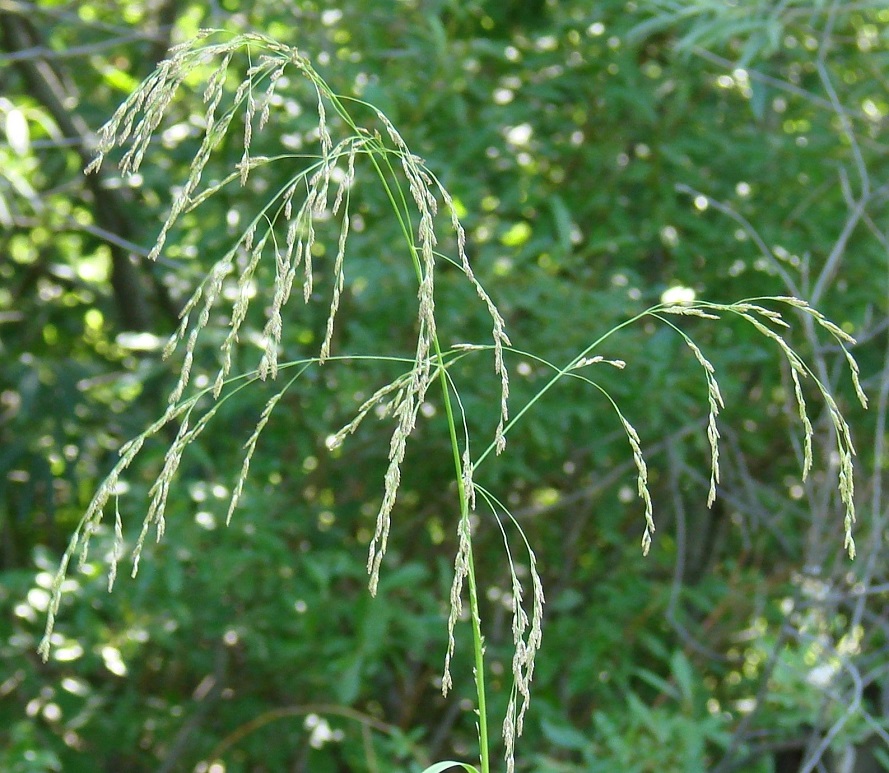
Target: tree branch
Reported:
[(110, 208)]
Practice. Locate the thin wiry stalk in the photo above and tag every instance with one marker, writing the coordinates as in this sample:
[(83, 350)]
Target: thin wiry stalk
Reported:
[(427, 340), (464, 564), (636, 448)]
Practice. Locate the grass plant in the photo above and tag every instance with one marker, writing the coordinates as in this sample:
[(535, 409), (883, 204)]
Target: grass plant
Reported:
[(351, 151)]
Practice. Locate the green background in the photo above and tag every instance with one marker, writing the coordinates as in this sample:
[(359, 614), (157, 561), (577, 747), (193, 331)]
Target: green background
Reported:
[(600, 154)]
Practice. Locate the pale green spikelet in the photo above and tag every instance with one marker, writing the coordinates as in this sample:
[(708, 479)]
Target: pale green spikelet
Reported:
[(641, 481), (807, 424), (250, 449), (397, 386), (461, 572)]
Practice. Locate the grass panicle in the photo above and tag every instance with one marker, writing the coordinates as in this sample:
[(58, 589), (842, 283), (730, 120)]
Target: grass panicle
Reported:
[(283, 233)]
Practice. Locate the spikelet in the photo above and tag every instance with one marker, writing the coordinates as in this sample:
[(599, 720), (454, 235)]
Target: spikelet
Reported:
[(641, 481), (249, 450), (397, 386), (715, 402), (461, 572), (339, 277)]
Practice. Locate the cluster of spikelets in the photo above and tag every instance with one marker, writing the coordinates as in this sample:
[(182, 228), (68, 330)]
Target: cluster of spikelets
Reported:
[(765, 321), (294, 209)]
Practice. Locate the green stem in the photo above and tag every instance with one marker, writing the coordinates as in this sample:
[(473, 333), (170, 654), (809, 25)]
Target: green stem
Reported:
[(477, 638), (478, 644), (559, 374), (478, 641)]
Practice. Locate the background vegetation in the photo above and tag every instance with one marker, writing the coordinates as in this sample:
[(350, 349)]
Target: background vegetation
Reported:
[(600, 154)]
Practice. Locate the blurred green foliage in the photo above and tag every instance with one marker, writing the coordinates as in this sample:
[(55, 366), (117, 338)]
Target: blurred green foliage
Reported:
[(563, 131)]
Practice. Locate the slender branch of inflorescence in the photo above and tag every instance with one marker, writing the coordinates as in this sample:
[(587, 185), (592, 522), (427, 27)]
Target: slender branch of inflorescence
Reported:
[(764, 321)]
